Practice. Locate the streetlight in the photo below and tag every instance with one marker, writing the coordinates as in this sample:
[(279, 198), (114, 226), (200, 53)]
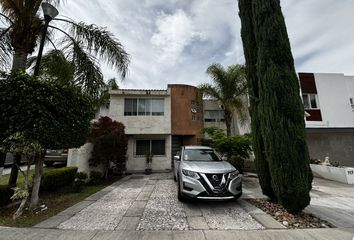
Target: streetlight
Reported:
[(49, 12)]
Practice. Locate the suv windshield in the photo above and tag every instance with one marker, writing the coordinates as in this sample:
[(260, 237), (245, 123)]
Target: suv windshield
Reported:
[(200, 155)]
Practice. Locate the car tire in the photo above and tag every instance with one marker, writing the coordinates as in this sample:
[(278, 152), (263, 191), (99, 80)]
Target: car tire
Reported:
[(180, 196), (49, 164), (174, 178)]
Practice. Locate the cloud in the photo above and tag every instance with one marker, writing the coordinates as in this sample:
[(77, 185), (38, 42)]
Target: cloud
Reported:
[(174, 33), (174, 41)]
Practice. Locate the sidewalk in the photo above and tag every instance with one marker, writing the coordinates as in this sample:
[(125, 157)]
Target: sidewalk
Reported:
[(49, 234)]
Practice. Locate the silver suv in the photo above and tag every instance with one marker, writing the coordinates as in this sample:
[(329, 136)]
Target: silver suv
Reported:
[(201, 173)]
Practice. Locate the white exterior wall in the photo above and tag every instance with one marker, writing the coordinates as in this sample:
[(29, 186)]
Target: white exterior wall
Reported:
[(79, 157), (102, 112), (334, 91), (138, 163), (143, 127), (141, 124)]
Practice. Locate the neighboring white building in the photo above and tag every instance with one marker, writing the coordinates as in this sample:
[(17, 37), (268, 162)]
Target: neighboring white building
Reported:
[(214, 117), (329, 106)]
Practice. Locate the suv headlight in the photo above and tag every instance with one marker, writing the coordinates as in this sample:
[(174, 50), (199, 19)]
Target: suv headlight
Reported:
[(190, 174), (233, 174)]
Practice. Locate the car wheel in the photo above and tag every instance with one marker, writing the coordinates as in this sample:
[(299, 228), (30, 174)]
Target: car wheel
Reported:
[(49, 164), (180, 196)]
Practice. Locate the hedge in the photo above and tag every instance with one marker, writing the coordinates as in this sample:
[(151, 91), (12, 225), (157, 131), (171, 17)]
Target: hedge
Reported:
[(55, 178)]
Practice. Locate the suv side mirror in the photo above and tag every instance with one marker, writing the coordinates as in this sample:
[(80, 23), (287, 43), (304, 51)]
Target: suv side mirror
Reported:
[(176, 158), (224, 158)]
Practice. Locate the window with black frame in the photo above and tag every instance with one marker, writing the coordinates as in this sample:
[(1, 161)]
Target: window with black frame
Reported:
[(156, 147)]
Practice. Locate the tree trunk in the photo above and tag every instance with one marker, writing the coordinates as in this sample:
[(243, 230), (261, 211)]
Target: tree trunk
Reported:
[(14, 170), (24, 200), (2, 162), (20, 60), (228, 120), (37, 180), (249, 47)]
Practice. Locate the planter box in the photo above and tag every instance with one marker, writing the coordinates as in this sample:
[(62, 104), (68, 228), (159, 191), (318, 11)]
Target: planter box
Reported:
[(344, 175)]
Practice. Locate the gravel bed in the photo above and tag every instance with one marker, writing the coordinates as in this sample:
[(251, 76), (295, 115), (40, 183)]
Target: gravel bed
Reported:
[(301, 220)]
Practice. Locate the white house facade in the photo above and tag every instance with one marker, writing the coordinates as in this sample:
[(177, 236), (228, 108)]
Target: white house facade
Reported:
[(146, 115), (329, 107), (156, 121)]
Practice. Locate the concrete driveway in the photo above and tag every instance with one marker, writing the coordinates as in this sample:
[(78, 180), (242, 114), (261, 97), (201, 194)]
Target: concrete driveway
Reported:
[(149, 202), (333, 202)]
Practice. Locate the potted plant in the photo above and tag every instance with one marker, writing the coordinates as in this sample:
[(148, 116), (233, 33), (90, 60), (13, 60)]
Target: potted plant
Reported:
[(148, 158)]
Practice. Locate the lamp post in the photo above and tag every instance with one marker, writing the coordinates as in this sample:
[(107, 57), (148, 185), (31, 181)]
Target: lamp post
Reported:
[(49, 12)]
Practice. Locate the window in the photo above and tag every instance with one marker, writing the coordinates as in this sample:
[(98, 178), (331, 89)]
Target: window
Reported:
[(130, 107), (157, 107), (143, 107), (310, 101), (156, 147), (214, 116)]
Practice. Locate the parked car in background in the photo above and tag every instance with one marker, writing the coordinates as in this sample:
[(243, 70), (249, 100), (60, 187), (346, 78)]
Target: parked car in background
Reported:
[(202, 174), (55, 156)]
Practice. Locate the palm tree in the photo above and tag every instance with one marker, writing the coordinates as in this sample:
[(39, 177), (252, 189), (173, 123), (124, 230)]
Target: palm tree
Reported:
[(229, 89), (81, 44)]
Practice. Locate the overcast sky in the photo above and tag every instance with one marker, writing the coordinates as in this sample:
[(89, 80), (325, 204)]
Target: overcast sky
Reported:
[(174, 41)]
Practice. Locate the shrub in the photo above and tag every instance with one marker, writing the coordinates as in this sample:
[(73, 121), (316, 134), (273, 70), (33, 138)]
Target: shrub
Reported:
[(5, 195), (79, 181), (237, 162), (57, 178), (315, 161), (206, 142), (95, 177), (110, 144), (81, 176)]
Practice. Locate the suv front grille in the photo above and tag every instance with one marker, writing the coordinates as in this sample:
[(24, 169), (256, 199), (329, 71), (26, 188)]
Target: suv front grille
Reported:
[(217, 183)]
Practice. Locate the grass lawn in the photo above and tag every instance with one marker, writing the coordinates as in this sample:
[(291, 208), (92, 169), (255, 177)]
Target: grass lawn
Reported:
[(20, 179), (55, 201)]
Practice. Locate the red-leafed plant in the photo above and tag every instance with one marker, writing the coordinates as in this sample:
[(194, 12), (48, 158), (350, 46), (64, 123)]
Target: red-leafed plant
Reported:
[(110, 144)]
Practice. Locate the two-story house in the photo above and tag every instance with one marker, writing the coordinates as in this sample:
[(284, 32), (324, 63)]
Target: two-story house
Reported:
[(156, 121)]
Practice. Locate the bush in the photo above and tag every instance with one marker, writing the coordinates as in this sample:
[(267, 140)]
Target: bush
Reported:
[(57, 178), (206, 142), (96, 177), (110, 144), (79, 181), (81, 175), (237, 162), (5, 195)]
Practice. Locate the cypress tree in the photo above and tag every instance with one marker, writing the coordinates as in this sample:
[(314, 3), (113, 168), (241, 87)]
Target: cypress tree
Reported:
[(279, 110), (249, 46)]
